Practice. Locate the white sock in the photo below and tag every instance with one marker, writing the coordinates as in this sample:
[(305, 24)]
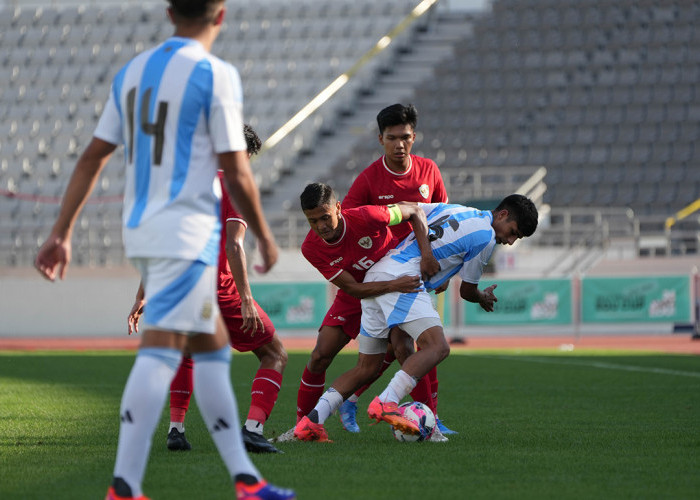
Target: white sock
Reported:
[(401, 384), (254, 426), (327, 404), (141, 406), (214, 396), (180, 426)]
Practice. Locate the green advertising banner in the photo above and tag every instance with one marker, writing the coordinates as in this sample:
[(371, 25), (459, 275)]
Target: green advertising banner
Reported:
[(638, 299), (542, 301), (292, 305)]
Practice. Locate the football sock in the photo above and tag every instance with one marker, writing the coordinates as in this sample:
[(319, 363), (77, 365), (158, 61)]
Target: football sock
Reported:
[(141, 406), (401, 384), (310, 390), (180, 393), (433, 378), (217, 405), (327, 404), (254, 426), (263, 394), (421, 392), (388, 359)]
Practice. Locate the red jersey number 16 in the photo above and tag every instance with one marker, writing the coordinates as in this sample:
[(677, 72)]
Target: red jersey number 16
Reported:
[(363, 264)]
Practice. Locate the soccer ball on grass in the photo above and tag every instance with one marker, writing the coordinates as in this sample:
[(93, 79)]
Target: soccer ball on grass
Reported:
[(422, 416)]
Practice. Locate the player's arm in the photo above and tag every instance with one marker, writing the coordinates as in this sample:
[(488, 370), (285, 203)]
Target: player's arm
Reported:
[(136, 311), (55, 254), (485, 298), (347, 283), (410, 211), (240, 184), (235, 253)]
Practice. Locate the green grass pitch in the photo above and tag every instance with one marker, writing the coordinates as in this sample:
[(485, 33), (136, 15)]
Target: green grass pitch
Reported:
[(531, 425)]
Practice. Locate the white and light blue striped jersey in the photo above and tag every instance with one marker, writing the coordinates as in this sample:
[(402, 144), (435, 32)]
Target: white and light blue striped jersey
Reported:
[(173, 107), (462, 240)]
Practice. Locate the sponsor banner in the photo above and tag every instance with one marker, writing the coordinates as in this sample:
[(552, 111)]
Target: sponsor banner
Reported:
[(292, 305), (638, 299), (545, 301)]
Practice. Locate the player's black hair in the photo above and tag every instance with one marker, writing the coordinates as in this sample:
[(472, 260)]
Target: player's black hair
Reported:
[(252, 141), (397, 114), (317, 194), (201, 11), (522, 210)]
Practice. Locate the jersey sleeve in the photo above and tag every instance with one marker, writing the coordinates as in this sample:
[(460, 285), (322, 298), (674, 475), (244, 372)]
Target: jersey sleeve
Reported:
[(439, 191), (358, 194), (109, 127), (375, 216), (313, 254), (228, 211), (473, 269), (226, 110)]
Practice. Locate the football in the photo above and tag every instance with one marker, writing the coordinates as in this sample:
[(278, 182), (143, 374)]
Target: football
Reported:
[(422, 416)]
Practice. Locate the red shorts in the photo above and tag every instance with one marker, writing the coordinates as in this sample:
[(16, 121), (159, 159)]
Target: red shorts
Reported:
[(230, 306), (345, 312)]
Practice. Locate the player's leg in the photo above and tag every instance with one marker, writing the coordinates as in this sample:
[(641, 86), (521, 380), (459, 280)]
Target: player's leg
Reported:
[(267, 383), (180, 395), (330, 340), (216, 401), (310, 427)]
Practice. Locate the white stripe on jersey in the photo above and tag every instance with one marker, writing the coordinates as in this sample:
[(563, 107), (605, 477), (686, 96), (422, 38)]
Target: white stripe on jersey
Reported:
[(174, 107), (462, 240)]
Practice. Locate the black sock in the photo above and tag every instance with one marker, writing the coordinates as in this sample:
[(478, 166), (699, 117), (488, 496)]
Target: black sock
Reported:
[(313, 416), (245, 479), (121, 488)]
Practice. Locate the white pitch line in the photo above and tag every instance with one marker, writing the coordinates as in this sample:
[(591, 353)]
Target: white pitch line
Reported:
[(597, 364)]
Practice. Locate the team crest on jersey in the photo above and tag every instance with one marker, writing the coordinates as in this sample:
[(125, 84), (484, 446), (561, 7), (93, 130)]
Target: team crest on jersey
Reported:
[(365, 242), (424, 191), (207, 310)]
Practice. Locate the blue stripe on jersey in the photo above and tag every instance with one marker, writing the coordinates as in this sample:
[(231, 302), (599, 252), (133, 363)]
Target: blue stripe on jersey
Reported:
[(197, 98), (164, 301), (210, 253), (401, 309), (150, 80), (475, 242)]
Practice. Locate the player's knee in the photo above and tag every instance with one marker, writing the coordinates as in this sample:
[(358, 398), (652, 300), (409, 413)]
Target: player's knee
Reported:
[(319, 361), (443, 350)]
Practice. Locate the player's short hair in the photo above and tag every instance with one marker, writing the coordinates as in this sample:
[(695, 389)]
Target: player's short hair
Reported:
[(200, 11), (252, 141), (397, 114), (317, 194), (522, 210)]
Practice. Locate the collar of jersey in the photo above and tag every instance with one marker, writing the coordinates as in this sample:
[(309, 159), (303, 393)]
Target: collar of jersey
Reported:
[(410, 166)]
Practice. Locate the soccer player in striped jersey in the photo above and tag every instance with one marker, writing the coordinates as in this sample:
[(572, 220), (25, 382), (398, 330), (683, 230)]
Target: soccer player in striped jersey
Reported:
[(249, 329), (462, 240), (177, 109), (398, 175)]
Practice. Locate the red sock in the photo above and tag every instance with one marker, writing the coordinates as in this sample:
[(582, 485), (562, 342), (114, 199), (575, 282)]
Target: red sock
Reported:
[(181, 391), (434, 388), (421, 392), (310, 391), (388, 359), (263, 394)]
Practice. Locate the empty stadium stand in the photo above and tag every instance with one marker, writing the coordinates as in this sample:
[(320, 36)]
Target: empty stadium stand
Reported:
[(603, 95)]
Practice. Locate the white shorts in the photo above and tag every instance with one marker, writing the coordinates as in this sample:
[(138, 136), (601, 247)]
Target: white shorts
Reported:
[(381, 313), (180, 295)]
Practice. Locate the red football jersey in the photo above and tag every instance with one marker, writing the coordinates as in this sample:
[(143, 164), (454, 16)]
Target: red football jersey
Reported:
[(228, 212), (379, 185), (366, 238)]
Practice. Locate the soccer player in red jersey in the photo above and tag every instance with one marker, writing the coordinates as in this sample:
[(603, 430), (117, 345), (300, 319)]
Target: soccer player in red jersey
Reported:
[(249, 328), (342, 244), (396, 176)]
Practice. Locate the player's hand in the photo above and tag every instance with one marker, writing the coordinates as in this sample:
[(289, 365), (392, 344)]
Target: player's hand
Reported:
[(134, 316), (269, 253), (251, 319), (54, 256), (407, 284), (487, 298), (442, 287), (429, 267)]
